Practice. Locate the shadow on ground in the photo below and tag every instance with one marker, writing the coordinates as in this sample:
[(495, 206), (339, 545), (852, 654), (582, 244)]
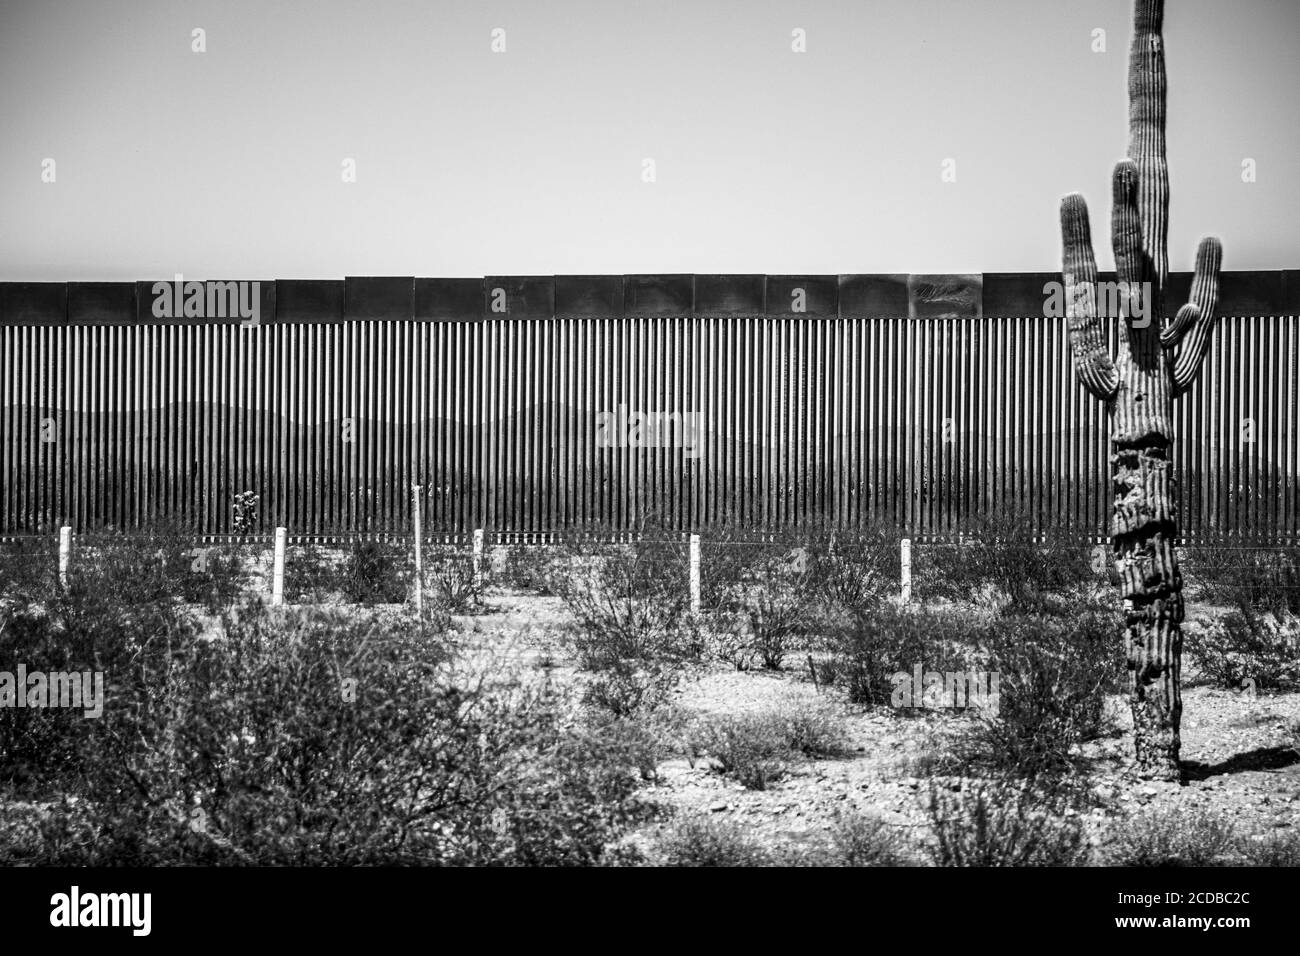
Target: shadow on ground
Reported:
[(1262, 758)]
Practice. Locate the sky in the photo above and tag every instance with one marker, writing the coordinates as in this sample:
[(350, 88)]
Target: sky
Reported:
[(231, 162)]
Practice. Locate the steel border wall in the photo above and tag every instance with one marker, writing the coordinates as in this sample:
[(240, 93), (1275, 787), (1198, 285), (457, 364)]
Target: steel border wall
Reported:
[(895, 397)]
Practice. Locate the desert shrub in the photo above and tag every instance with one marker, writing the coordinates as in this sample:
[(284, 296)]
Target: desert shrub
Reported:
[(700, 840), (1248, 645), (631, 631), (22, 839), (375, 572), (1275, 848), (861, 839), (528, 568), (311, 575), (766, 595), (228, 578), (1002, 549), (730, 641), (761, 629), (756, 748), (165, 563), (626, 688), (998, 822), (870, 649), (644, 741), (853, 570), (154, 568), (752, 748), (761, 595), (826, 669), (29, 567), (1231, 571), (630, 594), (218, 576), (451, 583), (1168, 837), (325, 738), (844, 571), (933, 753), (119, 614), (778, 618), (564, 796), (733, 559), (812, 728), (1053, 676)]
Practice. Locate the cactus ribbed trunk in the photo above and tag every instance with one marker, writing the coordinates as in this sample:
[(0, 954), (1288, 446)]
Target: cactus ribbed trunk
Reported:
[(1143, 530), (1157, 360)]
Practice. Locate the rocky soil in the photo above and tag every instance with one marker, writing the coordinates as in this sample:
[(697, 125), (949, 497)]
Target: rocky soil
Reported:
[(1240, 759)]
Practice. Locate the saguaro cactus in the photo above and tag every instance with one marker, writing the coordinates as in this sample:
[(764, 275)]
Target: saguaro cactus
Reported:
[(1157, 360)]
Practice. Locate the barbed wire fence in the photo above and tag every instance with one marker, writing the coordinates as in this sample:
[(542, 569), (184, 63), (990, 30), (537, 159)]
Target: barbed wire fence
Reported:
[(274, 564)]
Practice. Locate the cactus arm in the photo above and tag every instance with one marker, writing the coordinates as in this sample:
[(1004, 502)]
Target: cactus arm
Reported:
[(1126, 239), (1205, 298), (1092, 362), (1182, 324), (1147, 89)]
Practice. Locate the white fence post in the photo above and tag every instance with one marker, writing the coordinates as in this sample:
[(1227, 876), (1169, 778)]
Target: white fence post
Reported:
[(478, 559), (419, 550), (277, 567), (905, 548), (695, 575), (65, 554)]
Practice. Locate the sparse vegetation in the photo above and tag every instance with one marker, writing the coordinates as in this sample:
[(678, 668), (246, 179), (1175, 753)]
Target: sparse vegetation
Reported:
[(1165, 838), (630, 632), (1248, 645), (294, 738), (853, 571), (311, 575), (1275, 848), (752, 748), (1236, 572), (767, 597), (1003, 551), (871, 648), (246, 748), (860, 839), (778, 618), (997, 822), (761, 597), (528, 568), (758, 748), (452, 583), (704, 841), (375, 572), (1054, 676), (813, 728)]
